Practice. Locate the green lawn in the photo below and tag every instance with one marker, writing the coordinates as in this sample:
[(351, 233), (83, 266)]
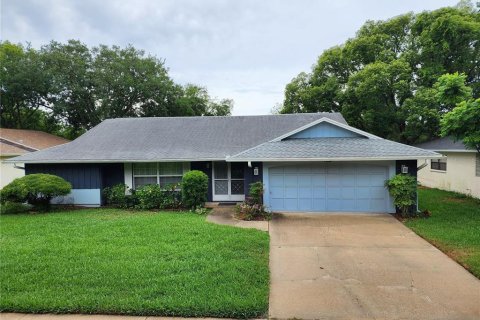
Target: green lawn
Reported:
[(454, 226), (126, 262)]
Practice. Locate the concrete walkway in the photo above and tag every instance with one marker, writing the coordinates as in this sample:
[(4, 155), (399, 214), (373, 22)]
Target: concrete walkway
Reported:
[(225, 215), (363, 266)]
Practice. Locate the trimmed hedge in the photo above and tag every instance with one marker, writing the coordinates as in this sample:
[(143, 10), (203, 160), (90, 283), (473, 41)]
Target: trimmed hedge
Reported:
[(194, 189), (37, 189)]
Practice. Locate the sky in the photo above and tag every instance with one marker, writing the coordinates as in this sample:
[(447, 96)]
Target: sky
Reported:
[(245, 50)]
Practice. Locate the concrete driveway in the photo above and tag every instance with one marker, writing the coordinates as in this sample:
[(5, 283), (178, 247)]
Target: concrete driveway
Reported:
[(363, 266)]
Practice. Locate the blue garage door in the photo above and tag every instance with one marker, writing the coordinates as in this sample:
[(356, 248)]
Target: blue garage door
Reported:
[(328, 187)]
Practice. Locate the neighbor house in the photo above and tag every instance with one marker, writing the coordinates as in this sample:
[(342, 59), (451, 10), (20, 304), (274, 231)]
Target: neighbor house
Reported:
[(15, 142), (458, 171), (307, 162)]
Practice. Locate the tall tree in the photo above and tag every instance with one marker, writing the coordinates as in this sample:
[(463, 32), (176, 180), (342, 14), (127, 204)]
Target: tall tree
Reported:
[(67, 88), (388, 78), (24, 87)]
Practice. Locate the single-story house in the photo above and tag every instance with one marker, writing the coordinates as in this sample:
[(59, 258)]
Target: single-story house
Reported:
[(458, 171), (16, 142), (307, 162)]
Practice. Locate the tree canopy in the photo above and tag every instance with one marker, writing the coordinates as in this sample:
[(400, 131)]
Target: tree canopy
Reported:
[(396, 78), (67, 88)]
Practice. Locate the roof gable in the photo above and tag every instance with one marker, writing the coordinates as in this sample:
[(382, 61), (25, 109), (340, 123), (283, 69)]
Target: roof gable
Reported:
[(325, 128)]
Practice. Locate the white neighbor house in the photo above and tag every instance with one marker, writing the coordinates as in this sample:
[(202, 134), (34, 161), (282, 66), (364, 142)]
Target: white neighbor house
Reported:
[(459, 171)]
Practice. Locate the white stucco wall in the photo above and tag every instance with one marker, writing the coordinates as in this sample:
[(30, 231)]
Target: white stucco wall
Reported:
[(8, 172), (459, 177)]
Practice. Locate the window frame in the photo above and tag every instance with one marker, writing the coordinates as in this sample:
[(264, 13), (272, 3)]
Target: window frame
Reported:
[(438, 165), (157, 175)]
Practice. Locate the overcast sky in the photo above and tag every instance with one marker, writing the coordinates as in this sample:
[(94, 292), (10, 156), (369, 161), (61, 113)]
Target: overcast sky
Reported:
[(244, 50)]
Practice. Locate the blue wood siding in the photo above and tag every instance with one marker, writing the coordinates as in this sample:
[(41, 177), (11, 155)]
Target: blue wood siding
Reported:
[(324, 130), (82, 175), (250, 177)]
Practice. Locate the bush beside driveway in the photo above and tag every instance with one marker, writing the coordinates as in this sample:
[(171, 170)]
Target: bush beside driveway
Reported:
[(131, 262)]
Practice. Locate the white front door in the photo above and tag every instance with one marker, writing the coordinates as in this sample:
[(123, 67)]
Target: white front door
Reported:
[(228, 181)]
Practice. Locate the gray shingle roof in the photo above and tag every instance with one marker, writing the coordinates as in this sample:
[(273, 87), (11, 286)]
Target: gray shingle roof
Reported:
[(179, 138), (442, 144), (332, 149)]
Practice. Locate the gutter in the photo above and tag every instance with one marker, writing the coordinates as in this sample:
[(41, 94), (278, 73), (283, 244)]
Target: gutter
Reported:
[(439, 156)]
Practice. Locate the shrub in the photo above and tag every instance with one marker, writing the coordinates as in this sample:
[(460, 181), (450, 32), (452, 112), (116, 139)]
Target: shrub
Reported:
[(37, 189), (246, 211), (117, 196), (155, 197), (403, 189), (253, 208), (194, 189), (14, 207), (149, 196), (255, 193)]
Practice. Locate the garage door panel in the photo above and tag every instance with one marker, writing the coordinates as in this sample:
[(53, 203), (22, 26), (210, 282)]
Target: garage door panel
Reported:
[(276, 170), (375, 204), (277, 192), (290, 180), (377, 192), (377, 179), (305, 192), (334, 205), (304, 169), (348, 180), (291, 204), (290, 169), (363, 192), (348, 193), (305, 205), (334, 193), (363, 205), (334, 180), (291, 192), (319, 205), (319, 193), (276, 181), (319, 180), (363, 180), (328, 187), (304, 180), (277, 204), (347, 205)]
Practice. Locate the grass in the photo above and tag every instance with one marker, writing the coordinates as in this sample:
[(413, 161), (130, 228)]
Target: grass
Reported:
[(129, 262), (454, 226)]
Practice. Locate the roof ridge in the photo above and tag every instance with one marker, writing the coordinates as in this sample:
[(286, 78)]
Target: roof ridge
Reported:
[(228, 117)]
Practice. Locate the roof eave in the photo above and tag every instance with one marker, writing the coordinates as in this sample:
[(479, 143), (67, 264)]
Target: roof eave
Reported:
[(334, 159), (112, 160)]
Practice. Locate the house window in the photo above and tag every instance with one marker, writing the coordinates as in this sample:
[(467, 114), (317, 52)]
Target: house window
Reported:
[(439, 164), (164, 173)]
